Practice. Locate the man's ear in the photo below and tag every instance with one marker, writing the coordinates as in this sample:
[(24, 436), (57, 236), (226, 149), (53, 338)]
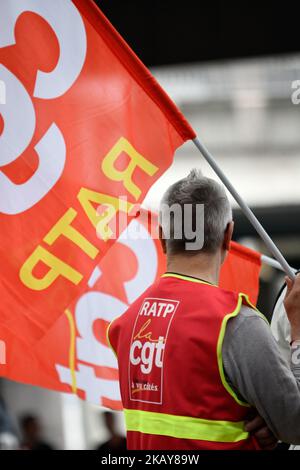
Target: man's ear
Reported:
[(228, 236), (162, 239)]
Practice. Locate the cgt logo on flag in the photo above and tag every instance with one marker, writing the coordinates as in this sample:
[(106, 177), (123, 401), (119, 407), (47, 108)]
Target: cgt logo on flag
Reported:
[(147, 349)]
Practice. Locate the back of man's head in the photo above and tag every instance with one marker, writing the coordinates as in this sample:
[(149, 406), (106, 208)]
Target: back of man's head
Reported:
[(194, 214)]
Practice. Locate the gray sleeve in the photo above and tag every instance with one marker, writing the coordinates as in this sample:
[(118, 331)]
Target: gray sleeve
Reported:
[(257, 372)]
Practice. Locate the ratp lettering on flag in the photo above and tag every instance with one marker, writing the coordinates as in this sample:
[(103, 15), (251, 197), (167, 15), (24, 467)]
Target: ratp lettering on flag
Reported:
[(84, 123)]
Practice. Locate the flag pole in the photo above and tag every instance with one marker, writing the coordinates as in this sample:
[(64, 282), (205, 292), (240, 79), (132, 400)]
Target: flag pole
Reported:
[(246, 209)]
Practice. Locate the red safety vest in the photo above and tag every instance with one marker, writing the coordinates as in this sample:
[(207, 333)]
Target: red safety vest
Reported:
[(173, 387)]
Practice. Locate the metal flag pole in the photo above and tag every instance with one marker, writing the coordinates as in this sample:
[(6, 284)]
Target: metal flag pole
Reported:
[(245, 208), (273, 263)]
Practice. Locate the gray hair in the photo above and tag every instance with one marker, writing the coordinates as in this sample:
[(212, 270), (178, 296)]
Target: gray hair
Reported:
[(195, 191)]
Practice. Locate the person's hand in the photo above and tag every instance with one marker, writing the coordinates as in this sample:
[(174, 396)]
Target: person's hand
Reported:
[(292, 306), (263, 435)]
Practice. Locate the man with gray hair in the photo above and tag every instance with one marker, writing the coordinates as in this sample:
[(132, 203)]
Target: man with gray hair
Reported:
[(194, 213), (196, 361)]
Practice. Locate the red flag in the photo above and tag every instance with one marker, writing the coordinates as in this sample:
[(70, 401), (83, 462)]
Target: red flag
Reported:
[(84, 123)]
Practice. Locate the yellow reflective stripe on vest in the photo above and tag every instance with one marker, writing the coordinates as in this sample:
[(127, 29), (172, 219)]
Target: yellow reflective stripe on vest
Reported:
[(184, 427), (220, 345)]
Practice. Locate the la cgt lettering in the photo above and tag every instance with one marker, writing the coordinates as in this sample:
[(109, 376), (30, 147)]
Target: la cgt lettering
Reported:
[(146, 354), (56, 268)]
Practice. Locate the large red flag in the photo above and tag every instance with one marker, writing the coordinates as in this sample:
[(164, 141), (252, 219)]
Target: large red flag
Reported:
[(84, 123)]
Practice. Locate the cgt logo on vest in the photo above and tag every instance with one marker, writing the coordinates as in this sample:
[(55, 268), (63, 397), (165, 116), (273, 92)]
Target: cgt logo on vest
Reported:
[(147, 349)]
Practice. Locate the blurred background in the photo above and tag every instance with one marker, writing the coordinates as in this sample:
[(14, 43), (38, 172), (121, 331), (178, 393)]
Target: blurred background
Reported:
[(231, 71)]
